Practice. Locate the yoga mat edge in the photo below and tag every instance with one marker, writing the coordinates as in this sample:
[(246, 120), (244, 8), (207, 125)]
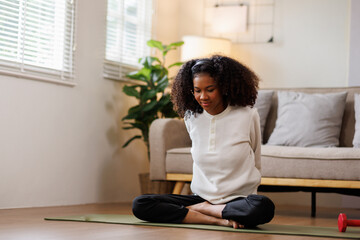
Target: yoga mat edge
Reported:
[(277, 229)]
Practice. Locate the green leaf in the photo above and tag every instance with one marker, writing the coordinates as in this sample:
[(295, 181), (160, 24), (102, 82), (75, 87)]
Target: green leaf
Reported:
[(155, 76), (176, 44), (159, 73), (149, 106), (134, 113), (172, 46), (163, 80), (130, 140), (162, 84), (168, 111), (148, 61), (139, 125), (136, 75), (134, 109), (127, 128), (165, 99), (131, 91), (155, 44), (143, 74), (130, 116), (148, 95), (176, 64)]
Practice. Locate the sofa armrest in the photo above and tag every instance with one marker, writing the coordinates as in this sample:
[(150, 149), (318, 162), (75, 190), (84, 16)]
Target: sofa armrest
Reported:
[(165, 134)]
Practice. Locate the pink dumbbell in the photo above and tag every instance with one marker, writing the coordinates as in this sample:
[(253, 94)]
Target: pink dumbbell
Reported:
[(343, 222)]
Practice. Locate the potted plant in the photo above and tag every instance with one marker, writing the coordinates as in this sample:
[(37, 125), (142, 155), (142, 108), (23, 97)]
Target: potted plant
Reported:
[(150, 91)]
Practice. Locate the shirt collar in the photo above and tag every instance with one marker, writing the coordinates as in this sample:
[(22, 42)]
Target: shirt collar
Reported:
[(220, 115)]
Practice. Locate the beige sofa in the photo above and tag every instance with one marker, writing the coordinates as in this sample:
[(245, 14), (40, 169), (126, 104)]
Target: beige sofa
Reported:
[(284, 168)]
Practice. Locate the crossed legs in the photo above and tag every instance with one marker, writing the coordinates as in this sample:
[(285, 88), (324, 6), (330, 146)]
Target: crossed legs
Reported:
[(172, 208)]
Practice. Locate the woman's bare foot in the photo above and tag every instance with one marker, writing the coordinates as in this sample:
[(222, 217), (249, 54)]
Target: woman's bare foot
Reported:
[(232, 223), (199, 206), (199, 218), (208, 209), (207, 213)]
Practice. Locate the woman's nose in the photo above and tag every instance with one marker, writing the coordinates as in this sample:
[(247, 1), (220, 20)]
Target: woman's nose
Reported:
[(203, 96)]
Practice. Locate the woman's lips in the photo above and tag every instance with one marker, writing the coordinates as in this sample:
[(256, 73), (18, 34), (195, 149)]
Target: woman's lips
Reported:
[(205, 104)]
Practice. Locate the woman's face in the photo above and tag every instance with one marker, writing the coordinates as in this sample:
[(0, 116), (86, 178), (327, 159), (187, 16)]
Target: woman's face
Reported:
[(207, 94)]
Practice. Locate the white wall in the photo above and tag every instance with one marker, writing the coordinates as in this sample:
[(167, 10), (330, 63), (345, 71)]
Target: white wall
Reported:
[(310, 49), (166, 27), (354, 70)]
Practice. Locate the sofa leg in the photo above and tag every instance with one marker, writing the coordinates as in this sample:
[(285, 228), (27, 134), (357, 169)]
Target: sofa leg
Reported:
[(178, 187), (313, 204)]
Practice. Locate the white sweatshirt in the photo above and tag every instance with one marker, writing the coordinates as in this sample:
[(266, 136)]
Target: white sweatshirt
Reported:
[(226, 152)]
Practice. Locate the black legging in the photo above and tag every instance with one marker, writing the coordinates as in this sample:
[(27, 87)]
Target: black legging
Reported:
[(171, 208)]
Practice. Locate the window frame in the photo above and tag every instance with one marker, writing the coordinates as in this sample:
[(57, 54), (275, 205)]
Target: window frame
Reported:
[(17, 65), (117, 70)]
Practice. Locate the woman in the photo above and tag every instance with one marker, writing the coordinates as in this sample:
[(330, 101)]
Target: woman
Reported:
[(216, 97)]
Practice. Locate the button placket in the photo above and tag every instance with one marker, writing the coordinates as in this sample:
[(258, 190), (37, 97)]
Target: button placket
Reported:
[(212, 135)]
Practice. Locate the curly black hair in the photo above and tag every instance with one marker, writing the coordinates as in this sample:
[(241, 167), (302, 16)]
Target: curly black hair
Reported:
[(237, 83)]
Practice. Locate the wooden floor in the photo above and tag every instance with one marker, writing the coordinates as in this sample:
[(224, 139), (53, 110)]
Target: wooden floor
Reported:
[(21, 224)]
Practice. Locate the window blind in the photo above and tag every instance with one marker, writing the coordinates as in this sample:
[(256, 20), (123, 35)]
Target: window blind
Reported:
[(127, 31), (36, 39)]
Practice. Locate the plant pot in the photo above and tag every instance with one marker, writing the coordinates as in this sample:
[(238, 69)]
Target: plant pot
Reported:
[(154, 186)]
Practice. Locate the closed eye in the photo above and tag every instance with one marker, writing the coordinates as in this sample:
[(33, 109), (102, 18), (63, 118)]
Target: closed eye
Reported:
[(207, 89)]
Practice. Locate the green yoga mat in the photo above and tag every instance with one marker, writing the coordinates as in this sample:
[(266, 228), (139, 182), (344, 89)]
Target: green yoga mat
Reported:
[(351, 232)]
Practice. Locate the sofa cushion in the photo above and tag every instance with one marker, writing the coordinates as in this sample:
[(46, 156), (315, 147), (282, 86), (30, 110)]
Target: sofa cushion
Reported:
[(356, 141), (263, 104), (313, 163), (308, 120), (179, 160), (288, 162)]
